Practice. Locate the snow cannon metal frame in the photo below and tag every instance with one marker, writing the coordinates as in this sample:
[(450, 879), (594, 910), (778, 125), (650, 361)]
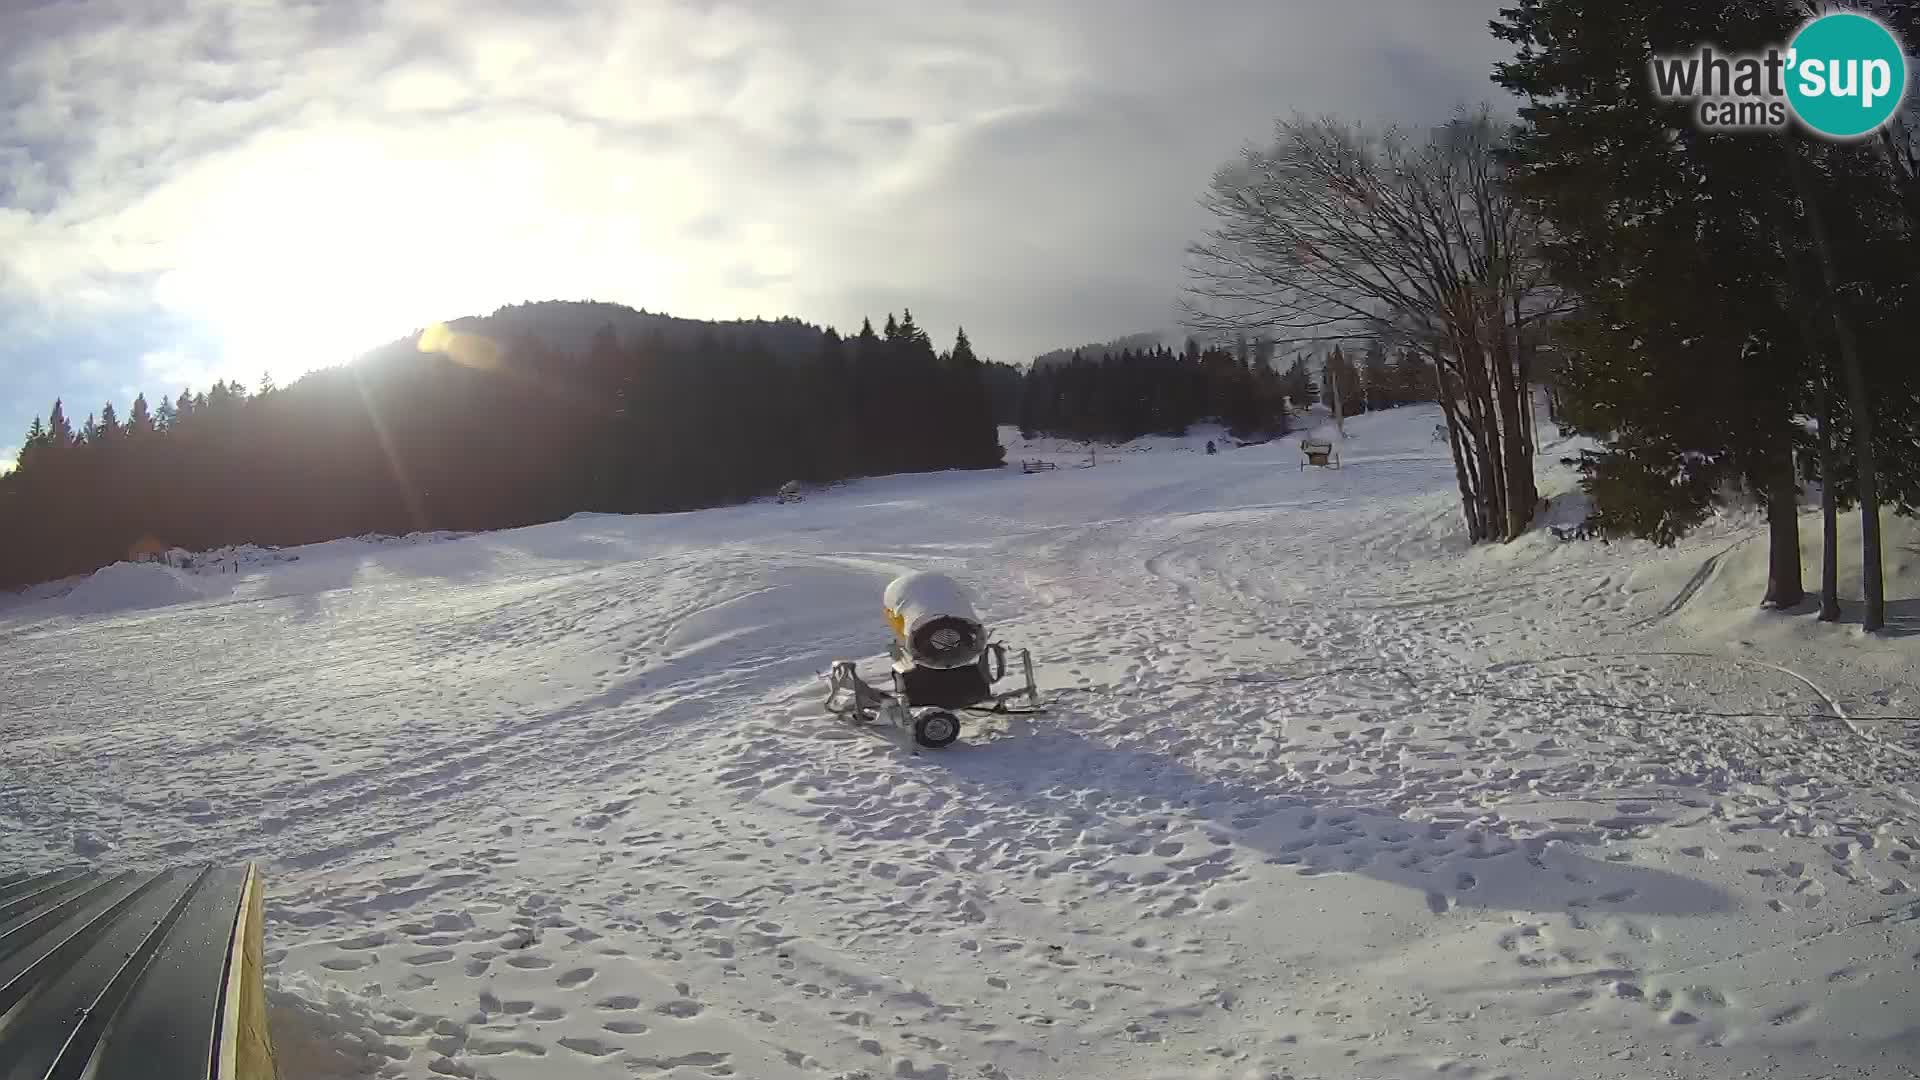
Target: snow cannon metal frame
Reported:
[(944, 662)]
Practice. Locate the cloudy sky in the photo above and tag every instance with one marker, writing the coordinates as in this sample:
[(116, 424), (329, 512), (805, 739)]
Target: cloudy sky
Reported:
[(194, 189)]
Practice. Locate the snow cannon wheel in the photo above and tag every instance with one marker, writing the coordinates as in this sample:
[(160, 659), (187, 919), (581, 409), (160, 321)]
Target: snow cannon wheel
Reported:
[(936, 728)]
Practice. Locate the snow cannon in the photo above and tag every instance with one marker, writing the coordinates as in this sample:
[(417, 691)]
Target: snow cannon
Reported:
[(944, 662), (933, 621)]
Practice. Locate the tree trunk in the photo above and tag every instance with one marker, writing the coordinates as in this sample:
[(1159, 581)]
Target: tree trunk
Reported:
[(1817, 361), (1866, 472), (1516, 450), (1784, 588), (1523, 356), (1829, 515), (1489, 483), (1469, 504)]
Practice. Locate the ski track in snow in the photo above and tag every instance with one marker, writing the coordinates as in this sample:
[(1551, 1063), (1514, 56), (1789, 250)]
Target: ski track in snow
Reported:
[(1321, 793)]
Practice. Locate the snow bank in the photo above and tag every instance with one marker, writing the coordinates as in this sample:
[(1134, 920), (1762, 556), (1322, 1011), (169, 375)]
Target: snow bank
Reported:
[(238, 571), (239, 558), (1720, 596), (127, 587), (34, 594)]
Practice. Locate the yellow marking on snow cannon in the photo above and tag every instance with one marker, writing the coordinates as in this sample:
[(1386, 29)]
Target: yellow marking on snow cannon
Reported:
[(933, 618)]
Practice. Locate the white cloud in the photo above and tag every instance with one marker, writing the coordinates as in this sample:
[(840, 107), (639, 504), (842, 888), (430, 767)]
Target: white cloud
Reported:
[(308, 179), (9, 459), (172, 369)]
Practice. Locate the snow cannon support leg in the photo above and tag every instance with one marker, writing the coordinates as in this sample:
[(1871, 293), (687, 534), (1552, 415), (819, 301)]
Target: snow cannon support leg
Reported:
[(850, 696)]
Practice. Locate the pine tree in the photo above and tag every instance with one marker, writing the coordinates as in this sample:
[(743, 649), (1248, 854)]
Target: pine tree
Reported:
[(90, 432), (166, 415), (1378, 378), (59, 431), (267, 385), (912, 333), (34, 444), (1042, 401), (978, 435), (1680, 358), (109, 423), (1299, 386), (183, 407), (873, 401), (836, 411), (1346, 381), (1413, 377), (139, 421), (963, 355), (1263, 349), (1003, 390)]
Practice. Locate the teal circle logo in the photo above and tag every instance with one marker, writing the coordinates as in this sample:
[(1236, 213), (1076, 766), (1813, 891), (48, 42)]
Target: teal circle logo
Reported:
[(1847, 74)]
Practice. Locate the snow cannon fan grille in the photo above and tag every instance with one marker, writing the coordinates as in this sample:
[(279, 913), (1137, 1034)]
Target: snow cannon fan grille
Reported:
[(947, 641)]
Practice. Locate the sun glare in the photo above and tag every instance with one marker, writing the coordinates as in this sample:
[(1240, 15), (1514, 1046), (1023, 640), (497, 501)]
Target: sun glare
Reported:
[(472, 350), (309, 249), (312, 252)]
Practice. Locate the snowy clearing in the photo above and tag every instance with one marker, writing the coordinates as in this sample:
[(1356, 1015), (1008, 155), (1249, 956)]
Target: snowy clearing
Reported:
[(1322, 792)]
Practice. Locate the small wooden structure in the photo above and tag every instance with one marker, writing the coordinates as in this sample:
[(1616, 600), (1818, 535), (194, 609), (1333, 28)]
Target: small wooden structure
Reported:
[(1037, 466), (1319, 452), (134, 975)]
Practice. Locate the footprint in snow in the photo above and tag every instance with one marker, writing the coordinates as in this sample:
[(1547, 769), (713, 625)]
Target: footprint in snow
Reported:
[(1790, 1014), (588, 1046), (698, 1059), (626, 1027), (493, 1047)]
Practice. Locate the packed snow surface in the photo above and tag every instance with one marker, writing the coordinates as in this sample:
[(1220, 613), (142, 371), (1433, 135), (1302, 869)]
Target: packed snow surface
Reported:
[(1322, 792)]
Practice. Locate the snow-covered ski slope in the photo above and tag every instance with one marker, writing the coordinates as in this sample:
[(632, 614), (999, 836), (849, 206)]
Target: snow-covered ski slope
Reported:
[(1323, 793)]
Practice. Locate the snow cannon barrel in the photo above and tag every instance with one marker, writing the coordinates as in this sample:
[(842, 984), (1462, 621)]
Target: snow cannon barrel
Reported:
[(933, 619)]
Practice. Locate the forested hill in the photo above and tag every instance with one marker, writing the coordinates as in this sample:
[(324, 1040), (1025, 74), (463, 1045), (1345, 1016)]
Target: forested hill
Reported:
[(569, 326), (1146, 341), (528, 415)]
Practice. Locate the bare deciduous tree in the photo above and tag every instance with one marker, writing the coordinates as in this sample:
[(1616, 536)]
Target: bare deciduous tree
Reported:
[(1336, 233)]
